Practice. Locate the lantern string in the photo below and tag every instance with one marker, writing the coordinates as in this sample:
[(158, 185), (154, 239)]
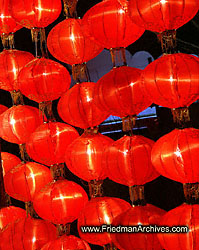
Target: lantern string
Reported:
[(95, 188), (58, 171), (46, 110), (70, 8), (80, 73), (110, 246), (128, 123), (17, 98), (63, 229), (181, 117), (168, 41), (91, 131), (8, 41), (191, 193), (118, 57), (24, 155), (39, 38), (137, 195), (30, 210)]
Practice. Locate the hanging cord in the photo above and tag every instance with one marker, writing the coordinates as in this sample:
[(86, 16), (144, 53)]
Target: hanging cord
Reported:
[(118, 57), (63, 229), (8, 41), (39, 38), (191, 193), (17, 98), (168, 41), (137, 195), (30, 210), (128, 123), (58, 171), (95, 188), (46, 110), (181, 117), (70, 8), (110, 246), (80, 73)]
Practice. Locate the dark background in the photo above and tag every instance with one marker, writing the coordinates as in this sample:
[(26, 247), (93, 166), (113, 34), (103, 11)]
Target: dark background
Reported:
[(161, 192)]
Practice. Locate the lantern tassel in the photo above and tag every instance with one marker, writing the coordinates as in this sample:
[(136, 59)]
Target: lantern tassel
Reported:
[(91, 131), (128, 123), (8, 41), (181, 117), (58, 171), (95, 188), (137, 195), (191, 193), (46, 111), (17, 98), (80, 73), (70, 8), (30, 210), (39, 38), (168, 41), (24, 155), (118, 57), (63, 229), (110, 246)]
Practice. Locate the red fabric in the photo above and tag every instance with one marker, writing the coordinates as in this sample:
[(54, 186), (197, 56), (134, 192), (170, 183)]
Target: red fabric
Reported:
[(9, 161)]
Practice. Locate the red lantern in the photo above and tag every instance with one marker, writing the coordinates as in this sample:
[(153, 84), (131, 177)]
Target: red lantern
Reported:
[(67, 243), (184, 215), (9, 161), (120, 92), (43, 80), (49, 142), (25, 180), (28, 234), (18, 122), (69, 42), (60, 202), (33, 13), (10, 214), (135, 216), (97, 212), (7, 23), (85, 156), (172, 80), (161, 15), (110, 25), (129, 161), (11, 62), (77, 107), (2, 109), (175, 155)]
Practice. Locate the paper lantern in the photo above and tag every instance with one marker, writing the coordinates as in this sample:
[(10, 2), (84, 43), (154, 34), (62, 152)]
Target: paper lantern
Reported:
[(48, 144), (2, 109), (184, 215), (85, 156), (77, 107), (9, 161), (25, 180), (110, 25), (18, 122), (161, 15), (172, 80), (175, 155), (43, 80), (69, 42), (135, 216), (10, 214), (11, 62), (97, 212), (7, 23), (129, 161), (27, 234), (60, 202), (33, 13), (120, 92), (67, 243)]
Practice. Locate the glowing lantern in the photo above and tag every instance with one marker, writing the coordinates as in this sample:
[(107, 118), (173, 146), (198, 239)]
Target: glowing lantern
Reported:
[(77, 106), (175, 155), (69, 42), (110, 25), (18, 122), (60, 202), (43, 80), (49, 142), (97, 212), (9, 161), (25, 180)]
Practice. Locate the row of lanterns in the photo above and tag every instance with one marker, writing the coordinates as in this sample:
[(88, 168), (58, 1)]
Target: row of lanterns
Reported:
[(170, 81)]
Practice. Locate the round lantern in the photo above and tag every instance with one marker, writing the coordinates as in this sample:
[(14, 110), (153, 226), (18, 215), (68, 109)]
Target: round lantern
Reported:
[(10, 214), (172, 80), (28, 234), (67, 243), (43, 80), (184, 215), (33, 13), (85, 156), (11, 62), (77, 106), (2, 109), (129, 161), (110, 25), (60, 202), (175, 155), (162, 15), (120, 92), (9, 161), (18, 122), (97, 212), (69, 42), (135, 216), (49, 142), (25, 180)]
